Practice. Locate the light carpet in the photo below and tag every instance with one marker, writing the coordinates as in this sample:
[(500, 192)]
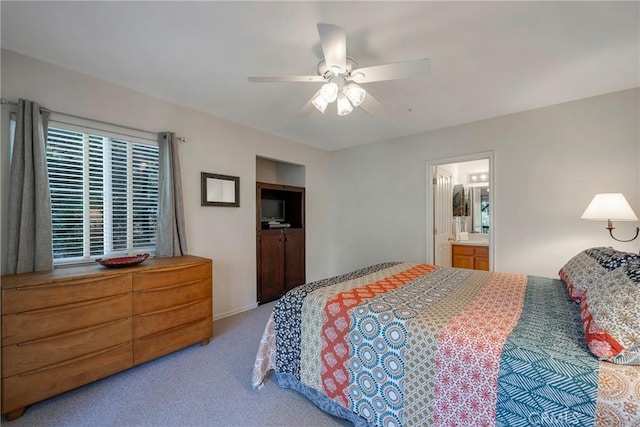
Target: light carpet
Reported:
[(198, 386)]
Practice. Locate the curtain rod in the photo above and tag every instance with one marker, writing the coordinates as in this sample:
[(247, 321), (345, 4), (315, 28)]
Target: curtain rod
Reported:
[(179, 138)]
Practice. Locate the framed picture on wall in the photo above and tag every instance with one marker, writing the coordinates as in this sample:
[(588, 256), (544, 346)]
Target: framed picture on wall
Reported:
[(219, 190)]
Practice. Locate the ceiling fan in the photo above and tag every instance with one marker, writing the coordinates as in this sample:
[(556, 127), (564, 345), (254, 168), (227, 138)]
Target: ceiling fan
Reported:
[(341, 75)]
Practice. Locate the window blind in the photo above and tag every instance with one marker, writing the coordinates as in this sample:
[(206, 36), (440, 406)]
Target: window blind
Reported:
[(104, 195)]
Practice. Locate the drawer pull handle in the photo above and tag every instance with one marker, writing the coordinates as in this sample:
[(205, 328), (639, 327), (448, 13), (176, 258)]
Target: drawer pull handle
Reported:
[(66, 283), (178, 285), (74, 360), (172, 269), (71, 333), (67, 306), (175, 328), (175, 307)]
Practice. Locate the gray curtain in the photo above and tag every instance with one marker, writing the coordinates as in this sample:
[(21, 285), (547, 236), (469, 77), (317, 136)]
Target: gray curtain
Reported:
[(29, 245), (171, 239)]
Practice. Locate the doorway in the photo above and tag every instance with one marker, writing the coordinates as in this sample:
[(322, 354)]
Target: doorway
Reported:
[(460, 206)]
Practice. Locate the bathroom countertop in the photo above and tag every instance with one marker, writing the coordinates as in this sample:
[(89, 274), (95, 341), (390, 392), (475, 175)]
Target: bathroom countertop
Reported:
[(470, 242)]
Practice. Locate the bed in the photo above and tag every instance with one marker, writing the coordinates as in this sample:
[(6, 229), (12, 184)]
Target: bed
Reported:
[(407, 344)]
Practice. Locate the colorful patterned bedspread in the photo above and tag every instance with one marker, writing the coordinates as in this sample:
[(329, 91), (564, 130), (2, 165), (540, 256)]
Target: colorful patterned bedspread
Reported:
[(401, 344)]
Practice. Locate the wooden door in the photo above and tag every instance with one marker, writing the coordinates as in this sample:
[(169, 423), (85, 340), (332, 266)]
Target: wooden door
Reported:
[(271, 267), (294, 258), (481, 258)]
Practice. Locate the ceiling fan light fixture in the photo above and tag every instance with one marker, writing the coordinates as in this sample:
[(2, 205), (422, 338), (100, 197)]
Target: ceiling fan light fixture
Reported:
[(335, 70), (320, 102), (339, 74), (329, 91), (355, 94), (344, 106)]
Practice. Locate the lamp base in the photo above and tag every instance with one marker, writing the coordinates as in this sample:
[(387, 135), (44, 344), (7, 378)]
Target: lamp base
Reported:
[(610, 227)]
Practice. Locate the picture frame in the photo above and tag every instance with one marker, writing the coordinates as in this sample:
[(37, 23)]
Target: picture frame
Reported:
[(219, 190)]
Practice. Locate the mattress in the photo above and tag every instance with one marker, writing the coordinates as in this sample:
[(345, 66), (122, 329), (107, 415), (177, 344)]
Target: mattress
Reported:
[(407, 344)]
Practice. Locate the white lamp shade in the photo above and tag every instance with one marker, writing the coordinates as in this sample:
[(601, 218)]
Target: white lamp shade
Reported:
[(609, 206), (344, 106), (355, 94), (320, 102), (329, 91)]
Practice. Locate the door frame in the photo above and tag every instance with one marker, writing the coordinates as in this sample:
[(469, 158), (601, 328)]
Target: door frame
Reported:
[(490, 155)]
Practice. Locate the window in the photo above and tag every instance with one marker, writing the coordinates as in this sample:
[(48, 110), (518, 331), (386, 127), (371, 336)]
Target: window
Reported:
[(104, 194)]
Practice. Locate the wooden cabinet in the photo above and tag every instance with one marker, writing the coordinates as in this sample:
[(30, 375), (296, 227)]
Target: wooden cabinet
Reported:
[(270, 265), (481, 261), (469, 256), (68, 327), (280, 251), (281, 262), (294, 274)]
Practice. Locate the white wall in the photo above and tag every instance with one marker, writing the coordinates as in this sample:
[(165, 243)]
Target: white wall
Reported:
[(549, 163), (227, 235)]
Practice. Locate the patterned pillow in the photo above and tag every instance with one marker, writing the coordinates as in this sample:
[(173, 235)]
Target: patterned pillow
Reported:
[(610, 312), (590, 264)]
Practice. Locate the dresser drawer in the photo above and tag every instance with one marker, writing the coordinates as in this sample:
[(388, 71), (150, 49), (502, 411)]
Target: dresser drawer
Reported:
[(30, 325), (170, 318), (462, 250), (482, 251), (482, 263), (156, 345), (27, 356), (161, 277), (60, 292), (21, 390), (163, 297)]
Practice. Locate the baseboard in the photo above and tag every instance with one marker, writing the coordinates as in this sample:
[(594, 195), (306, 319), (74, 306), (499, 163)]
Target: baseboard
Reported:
[(231, 313)]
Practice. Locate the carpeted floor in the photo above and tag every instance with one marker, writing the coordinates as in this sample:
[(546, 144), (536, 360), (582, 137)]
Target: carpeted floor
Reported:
[(198, 386)]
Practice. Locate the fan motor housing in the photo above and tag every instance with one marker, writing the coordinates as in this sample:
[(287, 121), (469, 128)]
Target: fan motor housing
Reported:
[(325, 71)]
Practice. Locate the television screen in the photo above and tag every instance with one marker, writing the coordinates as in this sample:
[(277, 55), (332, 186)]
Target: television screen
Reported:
[(272, 210)]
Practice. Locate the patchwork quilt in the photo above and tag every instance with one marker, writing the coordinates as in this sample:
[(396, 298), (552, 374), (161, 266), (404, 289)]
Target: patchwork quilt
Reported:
[(404, 344)]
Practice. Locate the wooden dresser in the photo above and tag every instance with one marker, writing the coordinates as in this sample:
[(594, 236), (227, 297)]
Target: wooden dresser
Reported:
[(470, 256), (68, 327)]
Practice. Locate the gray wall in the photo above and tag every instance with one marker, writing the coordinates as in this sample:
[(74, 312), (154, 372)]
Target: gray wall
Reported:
[(368, 204), (227, 235), (549, 163)]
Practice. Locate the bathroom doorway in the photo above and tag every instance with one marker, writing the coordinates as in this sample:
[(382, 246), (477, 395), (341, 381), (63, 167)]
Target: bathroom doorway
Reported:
[(460, 209)]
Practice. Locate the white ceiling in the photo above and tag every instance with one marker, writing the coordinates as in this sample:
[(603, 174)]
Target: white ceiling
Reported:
[(487, 58)]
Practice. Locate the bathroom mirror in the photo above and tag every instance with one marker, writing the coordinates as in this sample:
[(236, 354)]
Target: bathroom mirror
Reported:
[(480, 209), (461, 199)]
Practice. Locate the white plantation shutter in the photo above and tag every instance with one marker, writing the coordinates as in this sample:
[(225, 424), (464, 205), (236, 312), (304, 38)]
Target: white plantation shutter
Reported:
[(120, 196), (98, 217), (104, 195), (145, 195), (65, 162)]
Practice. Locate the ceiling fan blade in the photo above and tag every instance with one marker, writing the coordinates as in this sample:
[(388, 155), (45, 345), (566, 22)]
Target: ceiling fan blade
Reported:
[(371, 105), (394, 71), (308, 107), (285, 79), (334, 45)]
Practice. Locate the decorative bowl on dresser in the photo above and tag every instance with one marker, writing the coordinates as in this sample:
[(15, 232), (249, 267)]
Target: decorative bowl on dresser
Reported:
[(70, 326)]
